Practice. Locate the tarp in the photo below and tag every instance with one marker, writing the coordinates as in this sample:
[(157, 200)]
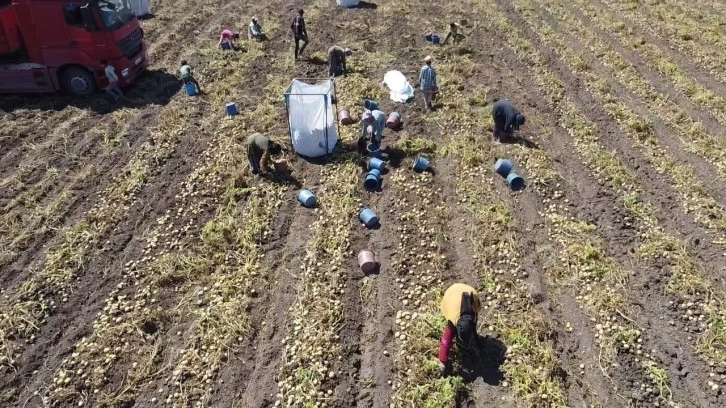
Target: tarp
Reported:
[(311, 118), (401, 90), (348, 3), (140, 7)]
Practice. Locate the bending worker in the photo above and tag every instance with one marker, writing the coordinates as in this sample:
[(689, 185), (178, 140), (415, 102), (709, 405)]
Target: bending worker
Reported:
[(226, 39), (187, 77), (336, 61), (255, 30), (259, 149), (454, 33), (460, 307), (372, 125), (507, 119)]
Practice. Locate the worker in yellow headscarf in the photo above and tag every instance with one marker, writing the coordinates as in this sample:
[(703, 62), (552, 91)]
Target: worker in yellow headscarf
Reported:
[(460, 306)]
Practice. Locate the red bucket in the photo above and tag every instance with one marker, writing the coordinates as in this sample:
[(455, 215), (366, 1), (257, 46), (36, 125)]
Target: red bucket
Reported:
[(394, 120), (345, 118)]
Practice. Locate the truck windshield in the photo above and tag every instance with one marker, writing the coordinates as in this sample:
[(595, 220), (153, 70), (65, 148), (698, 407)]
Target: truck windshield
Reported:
[(115, 13)]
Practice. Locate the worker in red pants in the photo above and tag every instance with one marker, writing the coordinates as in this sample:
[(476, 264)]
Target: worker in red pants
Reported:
[(460, 307)]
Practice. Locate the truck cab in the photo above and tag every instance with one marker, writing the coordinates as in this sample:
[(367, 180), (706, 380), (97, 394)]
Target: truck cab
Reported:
[(52, 45)]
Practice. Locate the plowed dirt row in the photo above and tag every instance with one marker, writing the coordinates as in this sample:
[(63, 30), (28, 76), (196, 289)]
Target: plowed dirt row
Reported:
[(201, 285)]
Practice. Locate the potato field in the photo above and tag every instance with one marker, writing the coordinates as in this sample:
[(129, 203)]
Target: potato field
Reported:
[(143, 265)]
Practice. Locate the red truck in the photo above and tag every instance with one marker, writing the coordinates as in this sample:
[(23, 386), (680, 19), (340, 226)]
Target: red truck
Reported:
[(52, 45)]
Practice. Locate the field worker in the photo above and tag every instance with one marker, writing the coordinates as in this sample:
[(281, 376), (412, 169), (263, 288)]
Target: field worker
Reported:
[(460, 306), (372, 125), (299, 33), (454, 33), (227, 37), (259, 149), (506, 117), (337, 61), (255, 30), (427, 81), (187, 77), (112, 87)]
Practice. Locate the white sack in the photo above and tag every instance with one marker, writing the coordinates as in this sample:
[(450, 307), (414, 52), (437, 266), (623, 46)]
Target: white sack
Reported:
[(140, 7), (348, 3), (401, 90)]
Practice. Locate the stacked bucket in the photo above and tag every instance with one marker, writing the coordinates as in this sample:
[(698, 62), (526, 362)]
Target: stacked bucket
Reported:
[(503, 167)]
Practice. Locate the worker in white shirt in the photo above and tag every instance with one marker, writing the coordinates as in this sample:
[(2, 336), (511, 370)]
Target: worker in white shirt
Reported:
[(112, 88), (254, 31)]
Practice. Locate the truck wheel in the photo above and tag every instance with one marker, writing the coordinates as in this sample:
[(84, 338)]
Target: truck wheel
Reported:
[(78, 81)]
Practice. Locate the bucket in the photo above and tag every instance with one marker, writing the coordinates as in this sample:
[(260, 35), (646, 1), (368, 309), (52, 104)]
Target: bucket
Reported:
[(428, 36), (370, 104), (394, 120), (345, 118), (376, 164), (226, 46), (191, 89), (307, 198), (367, 261), (231, 109), (435, 39), (372, 180), (420, 164), (368, 217), (515, 181), (503, 167), (374, 150)]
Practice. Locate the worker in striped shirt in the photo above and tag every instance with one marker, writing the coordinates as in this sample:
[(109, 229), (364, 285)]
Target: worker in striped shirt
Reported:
[(299, 33), (427, 81)]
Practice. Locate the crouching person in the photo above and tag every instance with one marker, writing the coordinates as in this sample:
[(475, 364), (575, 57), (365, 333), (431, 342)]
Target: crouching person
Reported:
[(259, 150), (460, 306), (506, 118)]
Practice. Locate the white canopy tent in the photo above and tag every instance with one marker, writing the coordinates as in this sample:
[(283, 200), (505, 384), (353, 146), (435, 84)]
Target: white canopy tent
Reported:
[(312, 117), (141, 8)]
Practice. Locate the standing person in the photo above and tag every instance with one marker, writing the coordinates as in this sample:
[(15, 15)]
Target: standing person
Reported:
[(460, 306), (427, 81), (187, 77), (112, 88), (226, 39), (453, 33), (337, 61), (255, 30), (507, 119), (372, 125), (300, 33), (259, 149)]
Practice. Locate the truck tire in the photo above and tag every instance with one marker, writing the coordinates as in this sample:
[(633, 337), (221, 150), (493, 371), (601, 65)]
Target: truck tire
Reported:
[(78, 81)]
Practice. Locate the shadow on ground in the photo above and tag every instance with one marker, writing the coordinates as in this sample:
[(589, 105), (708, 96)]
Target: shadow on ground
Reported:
[(482, 359), (153, 87)]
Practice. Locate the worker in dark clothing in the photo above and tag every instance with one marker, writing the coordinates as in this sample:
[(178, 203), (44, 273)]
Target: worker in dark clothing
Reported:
[(337, 61), (453, 33), (300, 33), (259, 149), (460, 306), (507, 119)]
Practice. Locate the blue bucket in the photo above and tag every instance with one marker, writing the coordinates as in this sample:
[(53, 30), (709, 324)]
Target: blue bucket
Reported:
[(368, 217), (420, 164), (515, 181), (427, 37), (307, 198), (372, 180), (226, 46), (370, 104), (503, 167), (374, 150), (191, 89), (435, 38), (377, 164), (231, 109)]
